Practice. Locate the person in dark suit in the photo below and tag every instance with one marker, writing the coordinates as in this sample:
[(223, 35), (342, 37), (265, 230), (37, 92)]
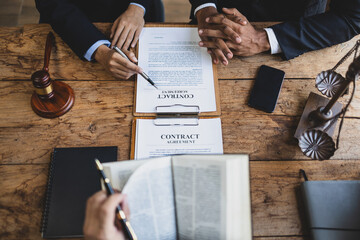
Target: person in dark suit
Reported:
[(305, 26), (72, 20)]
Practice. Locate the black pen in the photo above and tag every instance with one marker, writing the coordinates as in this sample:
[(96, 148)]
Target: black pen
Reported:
[(143, 74), (120, 215)]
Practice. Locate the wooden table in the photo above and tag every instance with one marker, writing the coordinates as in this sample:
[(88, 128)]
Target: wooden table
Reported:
[(102, 116)]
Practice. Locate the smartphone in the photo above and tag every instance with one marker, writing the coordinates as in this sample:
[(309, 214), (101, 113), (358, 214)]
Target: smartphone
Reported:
[(265, 93)]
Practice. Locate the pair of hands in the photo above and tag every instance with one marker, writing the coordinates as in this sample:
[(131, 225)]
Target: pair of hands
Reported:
[(224, 35), (229, 34), (100, 216), (125, 33)]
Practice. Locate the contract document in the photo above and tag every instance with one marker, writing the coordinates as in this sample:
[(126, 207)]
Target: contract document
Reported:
[(177, 136), (182, 71)]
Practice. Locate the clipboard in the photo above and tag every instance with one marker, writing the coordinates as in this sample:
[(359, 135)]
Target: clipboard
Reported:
[(188, 116), (216, 81)]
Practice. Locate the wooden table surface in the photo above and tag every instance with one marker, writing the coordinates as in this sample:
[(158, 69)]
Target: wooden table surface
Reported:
[(102, 116)]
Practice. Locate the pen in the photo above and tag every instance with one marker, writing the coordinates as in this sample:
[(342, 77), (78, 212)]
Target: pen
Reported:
[(143, 74), (120, 215)]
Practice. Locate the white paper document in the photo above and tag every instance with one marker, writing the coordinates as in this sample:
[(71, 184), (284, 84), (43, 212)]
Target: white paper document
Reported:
[(154, 140), (150, 191), (181, 70)]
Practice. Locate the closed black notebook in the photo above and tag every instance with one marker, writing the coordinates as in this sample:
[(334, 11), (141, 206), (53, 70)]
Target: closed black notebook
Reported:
[(333, 209), (73, 178)]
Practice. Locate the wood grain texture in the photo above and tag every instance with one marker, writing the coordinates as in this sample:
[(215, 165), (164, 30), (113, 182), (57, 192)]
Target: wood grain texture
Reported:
[(103, 118), (21, 200), (22, 51), (109, 95), (294, 93), (275, 208), (98, 118)]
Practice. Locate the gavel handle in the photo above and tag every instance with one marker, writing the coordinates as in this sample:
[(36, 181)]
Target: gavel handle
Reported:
[(49, 42)]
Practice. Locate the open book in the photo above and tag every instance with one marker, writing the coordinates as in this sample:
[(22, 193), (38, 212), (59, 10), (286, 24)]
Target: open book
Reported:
[(186, 196)]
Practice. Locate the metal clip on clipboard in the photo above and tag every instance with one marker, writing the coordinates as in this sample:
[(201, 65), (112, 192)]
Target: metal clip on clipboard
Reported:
[(180, 115)]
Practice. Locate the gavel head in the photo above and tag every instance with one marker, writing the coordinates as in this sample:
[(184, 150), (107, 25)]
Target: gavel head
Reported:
[(42, 83)]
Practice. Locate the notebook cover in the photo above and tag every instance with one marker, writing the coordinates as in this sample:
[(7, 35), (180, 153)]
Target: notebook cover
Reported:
[(333, 209), (73, 178)]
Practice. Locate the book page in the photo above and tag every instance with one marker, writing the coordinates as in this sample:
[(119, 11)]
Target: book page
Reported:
[(179, 67), (200, 190), (153, 140), (119, 173), (151, 199)]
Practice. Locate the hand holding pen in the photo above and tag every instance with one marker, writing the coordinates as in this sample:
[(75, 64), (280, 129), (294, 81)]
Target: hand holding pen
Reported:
[(118, 63), (120, 214), (100, 215), (115, 64), (143, 74)]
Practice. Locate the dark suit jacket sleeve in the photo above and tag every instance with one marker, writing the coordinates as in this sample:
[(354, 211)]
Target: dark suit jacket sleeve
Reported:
[(70, 23), (196, 3), (338, 25)]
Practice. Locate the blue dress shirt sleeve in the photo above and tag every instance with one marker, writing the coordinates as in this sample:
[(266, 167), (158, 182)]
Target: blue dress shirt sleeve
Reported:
[(89, 53), (139, 5)]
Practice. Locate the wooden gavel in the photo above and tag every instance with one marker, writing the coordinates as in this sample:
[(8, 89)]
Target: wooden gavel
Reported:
[(51, 98)]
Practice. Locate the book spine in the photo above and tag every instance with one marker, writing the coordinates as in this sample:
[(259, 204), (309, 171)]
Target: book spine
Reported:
[(48, 195)]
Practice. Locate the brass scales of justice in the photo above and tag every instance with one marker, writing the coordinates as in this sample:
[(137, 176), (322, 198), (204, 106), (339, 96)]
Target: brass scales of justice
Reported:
[(318, 121)]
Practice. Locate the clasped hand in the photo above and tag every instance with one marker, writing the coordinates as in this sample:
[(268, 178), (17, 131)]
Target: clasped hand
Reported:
[(229, 34)]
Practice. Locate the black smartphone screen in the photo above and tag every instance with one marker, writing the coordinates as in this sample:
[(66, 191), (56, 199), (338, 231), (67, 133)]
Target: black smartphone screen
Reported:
[(266, 89)]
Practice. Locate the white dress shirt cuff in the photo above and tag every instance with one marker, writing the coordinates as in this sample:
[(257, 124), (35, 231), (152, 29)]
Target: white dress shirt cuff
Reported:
[(204, 6), (89, 53), (139, 5), (274, 44)]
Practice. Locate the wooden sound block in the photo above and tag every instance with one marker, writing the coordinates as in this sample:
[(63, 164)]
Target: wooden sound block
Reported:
[(58, 105)]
